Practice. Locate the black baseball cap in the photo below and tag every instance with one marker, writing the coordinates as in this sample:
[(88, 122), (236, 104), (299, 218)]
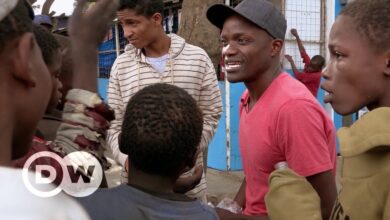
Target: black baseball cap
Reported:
[(262, 13)]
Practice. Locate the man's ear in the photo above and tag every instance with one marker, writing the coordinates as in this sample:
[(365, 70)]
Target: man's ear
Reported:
[(387, 69), (277, 46), (157, 18), (22, 59)]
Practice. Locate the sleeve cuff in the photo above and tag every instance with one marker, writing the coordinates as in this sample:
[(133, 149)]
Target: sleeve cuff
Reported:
[(122, 158)]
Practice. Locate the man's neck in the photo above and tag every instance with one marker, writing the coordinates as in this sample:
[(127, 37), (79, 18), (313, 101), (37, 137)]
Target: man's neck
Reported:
[(257, 88), (159, 47), (148, 182)]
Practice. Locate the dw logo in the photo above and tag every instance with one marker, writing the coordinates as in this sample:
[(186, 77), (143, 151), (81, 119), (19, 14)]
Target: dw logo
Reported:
[(81, 174)]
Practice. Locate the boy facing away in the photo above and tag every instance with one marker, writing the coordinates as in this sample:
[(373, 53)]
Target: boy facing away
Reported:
[(161, 130)]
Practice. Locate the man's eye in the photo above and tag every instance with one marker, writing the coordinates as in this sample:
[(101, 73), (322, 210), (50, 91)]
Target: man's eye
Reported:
[(242, 41), (338, 55)]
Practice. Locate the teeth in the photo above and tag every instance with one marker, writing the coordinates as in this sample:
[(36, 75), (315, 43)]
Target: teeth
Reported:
[(230, 66)]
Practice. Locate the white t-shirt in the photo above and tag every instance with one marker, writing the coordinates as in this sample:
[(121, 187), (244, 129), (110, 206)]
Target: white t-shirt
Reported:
[(158, 63), (17, 202)]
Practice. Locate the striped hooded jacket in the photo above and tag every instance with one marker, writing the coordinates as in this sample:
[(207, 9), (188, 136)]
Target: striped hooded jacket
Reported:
[(188, 67)]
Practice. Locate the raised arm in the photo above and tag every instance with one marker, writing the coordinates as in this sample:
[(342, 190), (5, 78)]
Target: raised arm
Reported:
[(87, 31), (46, 7), (86, 117), (302, 50), (293, 66), (294, 32)]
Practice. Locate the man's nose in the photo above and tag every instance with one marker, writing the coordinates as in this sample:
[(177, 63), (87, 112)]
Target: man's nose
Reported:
[(128, 32), (228, 50)]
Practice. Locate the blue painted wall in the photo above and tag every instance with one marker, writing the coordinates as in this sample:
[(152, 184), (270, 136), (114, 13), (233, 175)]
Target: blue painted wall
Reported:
[(217, 149), (236, 91), (217, 158), (103, 85)]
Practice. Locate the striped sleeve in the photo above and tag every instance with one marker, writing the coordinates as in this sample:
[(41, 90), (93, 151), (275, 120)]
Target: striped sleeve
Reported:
[(210, 103), (116, 102)]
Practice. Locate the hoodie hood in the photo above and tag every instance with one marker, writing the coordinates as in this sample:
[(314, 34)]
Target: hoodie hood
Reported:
[(370, 132), (177, 46)]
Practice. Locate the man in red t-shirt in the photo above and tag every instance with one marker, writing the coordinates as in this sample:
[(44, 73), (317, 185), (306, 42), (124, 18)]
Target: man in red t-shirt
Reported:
[(311, 74)]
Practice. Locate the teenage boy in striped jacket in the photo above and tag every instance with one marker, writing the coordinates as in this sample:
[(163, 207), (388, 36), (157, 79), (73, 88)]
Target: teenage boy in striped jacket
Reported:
[(154, 57)]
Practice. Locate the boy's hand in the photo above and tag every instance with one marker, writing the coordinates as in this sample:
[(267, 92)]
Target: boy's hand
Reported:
[(294, 32), (185, 184), (46, 7), (127, 165), (90, 26), (288, 57), (224, 214), (31, 1), (87, 30)]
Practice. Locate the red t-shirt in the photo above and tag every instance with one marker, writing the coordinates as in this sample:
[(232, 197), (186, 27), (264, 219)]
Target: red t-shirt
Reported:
[(285, 124), (310, 80)]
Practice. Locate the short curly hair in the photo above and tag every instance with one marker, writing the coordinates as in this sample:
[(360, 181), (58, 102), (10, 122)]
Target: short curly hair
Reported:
[(318, 62), (145, 8), (47, 42), (372, 20), (161, 130), (17, 23)]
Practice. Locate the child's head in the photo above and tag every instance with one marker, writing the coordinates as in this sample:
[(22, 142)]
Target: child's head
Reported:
[(52, 56), (161, 130), (14, 24), (358, 72), (66, 76), (317, 63), (26, 82)]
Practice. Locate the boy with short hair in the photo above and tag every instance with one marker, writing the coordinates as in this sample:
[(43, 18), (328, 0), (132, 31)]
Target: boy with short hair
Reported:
[(153, 57), (50, 122), (311, 74), (358, 75), (161, 130), (52, 56)]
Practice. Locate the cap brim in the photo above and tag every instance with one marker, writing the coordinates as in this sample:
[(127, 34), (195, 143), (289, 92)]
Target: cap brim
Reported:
[(218, 13)]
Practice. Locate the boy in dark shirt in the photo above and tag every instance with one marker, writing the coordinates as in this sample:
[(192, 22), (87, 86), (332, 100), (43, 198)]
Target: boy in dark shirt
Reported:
[(161, 130)]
